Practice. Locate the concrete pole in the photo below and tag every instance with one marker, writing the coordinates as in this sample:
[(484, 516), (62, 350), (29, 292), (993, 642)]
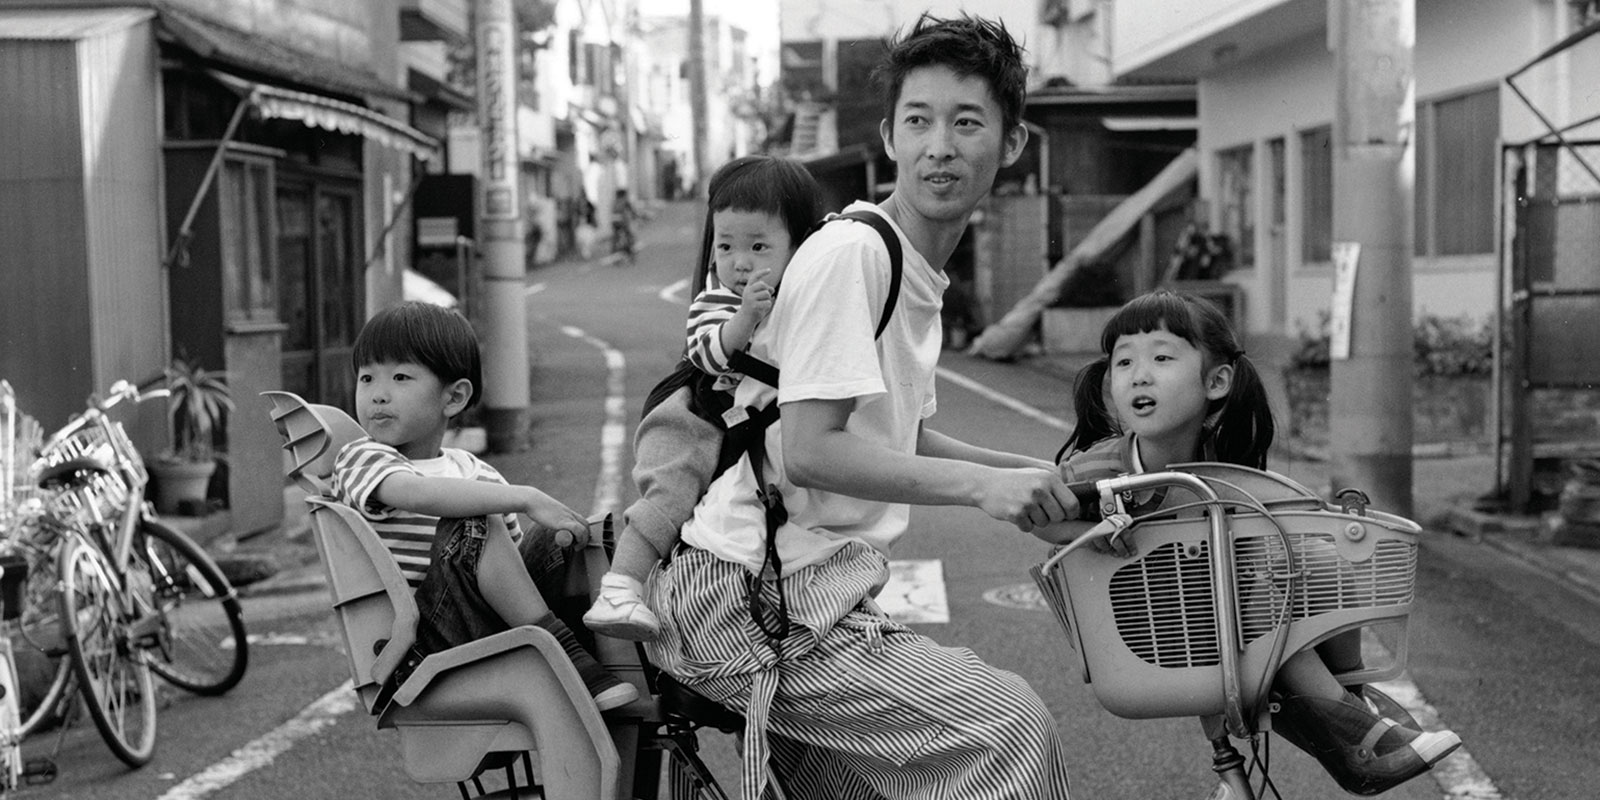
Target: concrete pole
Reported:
[(1369, 409), (502, 315), (697, 96)]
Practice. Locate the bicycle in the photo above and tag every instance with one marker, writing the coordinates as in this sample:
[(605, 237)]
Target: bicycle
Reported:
[(1169, 630), (18, 434), (137, 597)]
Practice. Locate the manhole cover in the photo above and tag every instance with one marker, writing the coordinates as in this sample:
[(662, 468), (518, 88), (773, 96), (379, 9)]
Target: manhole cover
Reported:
[(1023, 595)]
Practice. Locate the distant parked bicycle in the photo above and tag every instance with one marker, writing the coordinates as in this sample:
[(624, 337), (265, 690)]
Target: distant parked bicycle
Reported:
[(137, 597)]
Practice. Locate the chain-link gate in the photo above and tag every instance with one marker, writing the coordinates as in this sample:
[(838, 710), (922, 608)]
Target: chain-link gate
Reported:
[(1550, 353)]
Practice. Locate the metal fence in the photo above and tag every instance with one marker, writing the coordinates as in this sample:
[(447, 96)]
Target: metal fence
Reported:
[(1550, 348)]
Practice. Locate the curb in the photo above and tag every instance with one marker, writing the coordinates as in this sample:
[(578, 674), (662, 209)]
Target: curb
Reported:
[(1518, 536)]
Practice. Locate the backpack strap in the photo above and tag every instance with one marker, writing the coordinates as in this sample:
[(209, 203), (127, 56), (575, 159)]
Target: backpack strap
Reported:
[(891, 242)]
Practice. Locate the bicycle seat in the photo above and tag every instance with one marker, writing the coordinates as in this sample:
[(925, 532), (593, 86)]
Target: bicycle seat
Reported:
[(70, 472), (681, 701)]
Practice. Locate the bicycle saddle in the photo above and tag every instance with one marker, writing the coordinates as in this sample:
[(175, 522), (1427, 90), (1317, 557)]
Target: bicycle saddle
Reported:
[(70, 472), (682, 701)]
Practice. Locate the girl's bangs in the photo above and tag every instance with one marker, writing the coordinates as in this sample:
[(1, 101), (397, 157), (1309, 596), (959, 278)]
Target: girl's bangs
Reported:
[(1152, 312)]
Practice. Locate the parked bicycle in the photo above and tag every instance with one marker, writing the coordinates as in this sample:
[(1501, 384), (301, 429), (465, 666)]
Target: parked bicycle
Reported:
[(1237, 570), (137, 597), (19, 434)]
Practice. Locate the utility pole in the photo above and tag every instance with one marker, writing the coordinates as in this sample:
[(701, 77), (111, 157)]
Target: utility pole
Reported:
[(1370, 403), (697, 95), (502, 316)]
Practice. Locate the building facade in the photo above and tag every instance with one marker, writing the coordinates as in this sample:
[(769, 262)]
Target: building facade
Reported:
[(231, 181)]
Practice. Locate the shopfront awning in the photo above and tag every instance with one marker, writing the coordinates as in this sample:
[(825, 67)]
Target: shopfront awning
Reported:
[(318, 111), (242, 51)]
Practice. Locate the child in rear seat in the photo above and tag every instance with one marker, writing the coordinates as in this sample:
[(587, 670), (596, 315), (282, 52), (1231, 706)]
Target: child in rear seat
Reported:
[(450, 519), (759, 210)]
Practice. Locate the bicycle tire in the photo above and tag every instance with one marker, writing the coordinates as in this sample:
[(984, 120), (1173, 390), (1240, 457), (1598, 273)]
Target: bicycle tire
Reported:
[(113, 672), (203, 647), (39, 626), (685, 776), (10, 723)]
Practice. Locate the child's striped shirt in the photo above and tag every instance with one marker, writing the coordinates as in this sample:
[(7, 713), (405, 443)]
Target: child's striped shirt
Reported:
[(363, 464), (714, 306)]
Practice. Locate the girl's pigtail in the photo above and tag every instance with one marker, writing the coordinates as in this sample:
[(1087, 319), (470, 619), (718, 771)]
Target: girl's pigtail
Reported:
[(1095, 421), (1244, 429)]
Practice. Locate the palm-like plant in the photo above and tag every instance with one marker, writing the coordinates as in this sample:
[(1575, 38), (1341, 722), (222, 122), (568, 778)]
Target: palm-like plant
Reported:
[(198, 406)]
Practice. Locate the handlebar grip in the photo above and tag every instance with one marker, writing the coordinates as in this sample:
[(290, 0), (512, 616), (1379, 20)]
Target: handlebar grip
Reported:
[(1088, 495)]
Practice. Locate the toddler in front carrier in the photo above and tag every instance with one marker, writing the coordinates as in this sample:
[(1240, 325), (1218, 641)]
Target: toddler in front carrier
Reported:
[(760, 209)]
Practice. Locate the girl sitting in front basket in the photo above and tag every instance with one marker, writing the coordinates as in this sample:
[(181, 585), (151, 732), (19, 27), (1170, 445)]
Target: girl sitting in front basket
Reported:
[(1182, 390), (759, 210)]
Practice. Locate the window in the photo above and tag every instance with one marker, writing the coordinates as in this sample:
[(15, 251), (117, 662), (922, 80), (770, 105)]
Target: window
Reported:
[(1456, 140), (1235, 200), (249, 273), (1316, 183)]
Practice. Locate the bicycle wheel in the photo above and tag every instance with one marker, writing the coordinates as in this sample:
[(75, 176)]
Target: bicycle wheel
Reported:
[(113, 670), (39, 624), (202, 644), (10, 723), (685, 776)]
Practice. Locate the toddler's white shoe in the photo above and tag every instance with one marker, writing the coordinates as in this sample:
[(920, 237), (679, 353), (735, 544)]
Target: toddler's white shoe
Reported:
[(620, 610)]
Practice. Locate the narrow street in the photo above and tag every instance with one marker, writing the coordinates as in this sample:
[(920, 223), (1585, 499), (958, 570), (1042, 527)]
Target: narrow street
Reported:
[(1504, 655)]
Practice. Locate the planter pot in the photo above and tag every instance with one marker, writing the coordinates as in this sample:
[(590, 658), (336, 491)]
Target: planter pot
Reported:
[(181, 485)]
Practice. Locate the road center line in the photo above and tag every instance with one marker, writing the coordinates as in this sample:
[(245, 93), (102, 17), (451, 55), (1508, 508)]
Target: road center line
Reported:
[(1004, 399), (322, 712), (614, 431)]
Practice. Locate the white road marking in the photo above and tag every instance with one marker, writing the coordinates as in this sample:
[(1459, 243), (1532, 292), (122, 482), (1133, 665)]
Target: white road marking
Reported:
[(1004, 399), (533, 289), (674, 293), (915, 592), (261, 752), (614, 431)]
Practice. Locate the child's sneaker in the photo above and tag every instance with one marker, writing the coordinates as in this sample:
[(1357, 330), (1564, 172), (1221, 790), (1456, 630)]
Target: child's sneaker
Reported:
[(620, 610), (1364, 751), (1430, 746), (608, 690)]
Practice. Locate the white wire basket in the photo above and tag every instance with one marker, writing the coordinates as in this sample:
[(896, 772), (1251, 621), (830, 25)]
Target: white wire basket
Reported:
[(1145, 629), (104, 493)]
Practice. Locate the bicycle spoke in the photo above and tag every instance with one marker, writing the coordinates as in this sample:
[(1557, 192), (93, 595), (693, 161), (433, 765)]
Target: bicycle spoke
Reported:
[(202, 645)]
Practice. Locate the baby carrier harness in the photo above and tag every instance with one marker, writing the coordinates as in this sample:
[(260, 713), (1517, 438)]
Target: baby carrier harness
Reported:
[(744, 429)]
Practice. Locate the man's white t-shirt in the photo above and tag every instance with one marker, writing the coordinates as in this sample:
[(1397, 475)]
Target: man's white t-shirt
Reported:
[(820, 336)]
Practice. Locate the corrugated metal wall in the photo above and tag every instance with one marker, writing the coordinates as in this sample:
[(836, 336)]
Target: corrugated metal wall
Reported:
[(45, 347), (79, 224)]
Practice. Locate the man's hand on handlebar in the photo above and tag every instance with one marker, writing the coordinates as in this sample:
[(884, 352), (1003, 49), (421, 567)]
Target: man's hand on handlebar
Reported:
[(1027, 498)]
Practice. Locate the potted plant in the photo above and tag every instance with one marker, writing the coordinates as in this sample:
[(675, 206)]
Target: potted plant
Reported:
[(197, 407)]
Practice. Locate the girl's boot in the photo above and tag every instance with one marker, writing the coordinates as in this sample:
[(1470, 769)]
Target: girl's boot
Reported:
[(1364, 752)]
